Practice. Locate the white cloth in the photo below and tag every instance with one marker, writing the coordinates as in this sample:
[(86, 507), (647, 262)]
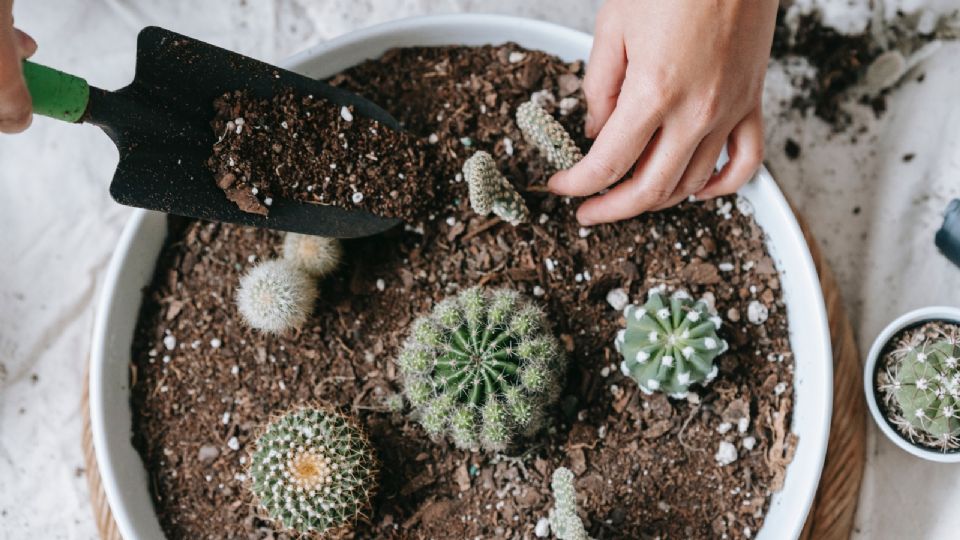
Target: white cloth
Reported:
[(58, 227)]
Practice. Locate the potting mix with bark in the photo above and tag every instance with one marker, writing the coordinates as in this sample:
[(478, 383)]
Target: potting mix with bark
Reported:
[(205, 384)]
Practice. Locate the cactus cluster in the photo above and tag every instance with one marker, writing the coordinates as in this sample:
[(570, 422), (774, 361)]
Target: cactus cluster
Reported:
[(314, 471), (482, 368), (316, 255), (564, 521), (670, 344), (922, 380), (275, 296), (491, 191), (542, 130)]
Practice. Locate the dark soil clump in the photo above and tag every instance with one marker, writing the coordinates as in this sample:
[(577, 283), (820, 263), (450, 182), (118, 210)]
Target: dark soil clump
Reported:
[(203, 384), (310, 150)]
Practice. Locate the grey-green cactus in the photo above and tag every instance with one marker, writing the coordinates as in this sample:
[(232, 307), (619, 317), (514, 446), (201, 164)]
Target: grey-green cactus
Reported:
[(564, 521), (923, 380), (482, 368), (542, 130), (491, 191), (315, 255), (670, 344), (314, 471), (275, 296)]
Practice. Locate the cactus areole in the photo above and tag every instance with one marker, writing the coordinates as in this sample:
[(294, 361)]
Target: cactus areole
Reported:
[(314, 471), (482, 368), (670, 344)]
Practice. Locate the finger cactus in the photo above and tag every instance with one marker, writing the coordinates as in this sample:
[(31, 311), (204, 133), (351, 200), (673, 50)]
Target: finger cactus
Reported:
[(542, 130), (924, 383), (275, 296), (490, 191), (482, 368), (564, 521), (314, 471), (316, 255), (670, 344)]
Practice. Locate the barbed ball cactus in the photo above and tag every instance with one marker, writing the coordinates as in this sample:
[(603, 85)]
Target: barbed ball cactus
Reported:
[(316, 255), (490, 191), (670, 344), (482, 368), (314, 471), (542, 130), (275, 296), (924, 382), (564, 521)]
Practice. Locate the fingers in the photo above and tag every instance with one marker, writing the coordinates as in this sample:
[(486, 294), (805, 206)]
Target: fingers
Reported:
[(15, 103), (653, 182), (745, 147), (605, 72), (620, 143), (699, 170)]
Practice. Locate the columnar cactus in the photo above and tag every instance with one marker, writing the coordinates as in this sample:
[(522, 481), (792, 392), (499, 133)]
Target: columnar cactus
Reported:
[(924, 382), (482, 368), (564, 521), (275, 296), (315, 255), (491, 191), (542, 130), (314, 471), (669, 345)]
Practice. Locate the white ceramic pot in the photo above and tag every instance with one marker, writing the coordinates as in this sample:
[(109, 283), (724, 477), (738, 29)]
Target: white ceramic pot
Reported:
[(917, 316), (131, 269)]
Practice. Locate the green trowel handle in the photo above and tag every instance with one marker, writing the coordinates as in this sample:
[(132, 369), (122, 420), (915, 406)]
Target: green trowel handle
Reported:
[(56, 94)]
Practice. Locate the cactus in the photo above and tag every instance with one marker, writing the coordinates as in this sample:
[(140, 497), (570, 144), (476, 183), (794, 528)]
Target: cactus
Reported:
[(314, 471), (315, 255), (564, 521), (491, 191), (542, 130), (923, 381), (275, 296), (669, 346), (482, 368)]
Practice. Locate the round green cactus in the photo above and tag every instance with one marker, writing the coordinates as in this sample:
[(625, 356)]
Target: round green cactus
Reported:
[(670, 344), (482, 368), (542, 130), (314, 471), (924, 381)]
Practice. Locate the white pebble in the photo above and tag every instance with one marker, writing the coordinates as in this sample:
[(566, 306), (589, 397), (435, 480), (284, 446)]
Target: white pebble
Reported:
[(743, 424), (169, 342), (757, 313), (226, 418), (544, 218), (567, 105), (215, 343), (605, 372), (268, 201), (357, 197), (550, 264), (451, 221), (542, 530), (725, 267), (346, 114), (235, 370), (233, 444), (508, 145), (780, 388), (724, 427), (618, 299), (516, 56), (726, 453), (749, 442), (584, 232), (538, 290), (433, 139), (381, 285)]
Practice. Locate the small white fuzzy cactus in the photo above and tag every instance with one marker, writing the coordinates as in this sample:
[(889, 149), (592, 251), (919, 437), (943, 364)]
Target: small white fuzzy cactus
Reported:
[(316, 255), (542, 130), (275, 296), (564, 521), (491, 191)]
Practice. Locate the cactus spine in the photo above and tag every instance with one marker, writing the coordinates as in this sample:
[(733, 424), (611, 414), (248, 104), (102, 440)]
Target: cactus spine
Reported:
[(482, 368), (669, 345), (314, 471), (923, 382), (564, 521), (491, 191), (542, 130), (275, 296)]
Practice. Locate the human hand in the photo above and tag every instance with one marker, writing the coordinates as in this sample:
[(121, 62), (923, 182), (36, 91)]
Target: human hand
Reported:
[(15, 103), (667, 85)]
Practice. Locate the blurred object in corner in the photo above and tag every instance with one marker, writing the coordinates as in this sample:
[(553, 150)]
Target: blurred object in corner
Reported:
[(948, 237)]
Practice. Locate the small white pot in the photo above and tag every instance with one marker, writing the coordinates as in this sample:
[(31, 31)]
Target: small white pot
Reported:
[(917, 316), (123, 474)]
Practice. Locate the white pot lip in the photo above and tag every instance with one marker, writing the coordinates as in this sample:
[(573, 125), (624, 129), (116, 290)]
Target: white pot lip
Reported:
[(916, 316), (402, 28)]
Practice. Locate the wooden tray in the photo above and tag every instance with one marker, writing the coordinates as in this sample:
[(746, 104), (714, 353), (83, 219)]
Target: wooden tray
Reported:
[(835, 505)]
